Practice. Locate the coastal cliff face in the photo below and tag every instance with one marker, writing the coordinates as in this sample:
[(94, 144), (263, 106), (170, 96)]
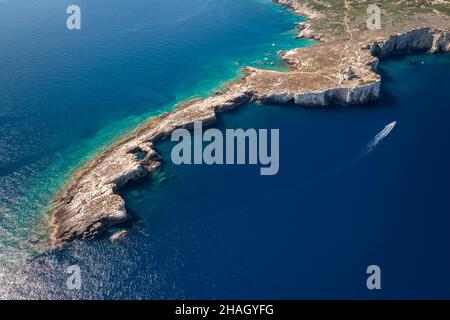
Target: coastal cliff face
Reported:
[(343, 96), (422, 39), (333, 72)]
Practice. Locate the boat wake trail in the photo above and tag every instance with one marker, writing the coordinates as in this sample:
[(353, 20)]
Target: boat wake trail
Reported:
[(375, 141), (370, 147)]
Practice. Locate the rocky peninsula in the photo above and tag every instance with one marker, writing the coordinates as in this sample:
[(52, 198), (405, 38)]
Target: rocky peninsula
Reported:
[(340, 69)]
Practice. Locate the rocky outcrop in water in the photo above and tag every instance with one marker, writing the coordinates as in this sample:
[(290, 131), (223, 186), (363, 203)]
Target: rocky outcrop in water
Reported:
[(118, 235), (417, 40), (342, 96)]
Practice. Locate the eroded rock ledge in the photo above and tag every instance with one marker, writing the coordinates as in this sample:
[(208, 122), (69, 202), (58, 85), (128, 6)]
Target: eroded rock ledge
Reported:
[(342, 72)]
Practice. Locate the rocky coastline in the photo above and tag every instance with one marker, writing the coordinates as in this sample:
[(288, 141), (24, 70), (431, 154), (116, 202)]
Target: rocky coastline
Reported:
[(300, 9), (332, 72)]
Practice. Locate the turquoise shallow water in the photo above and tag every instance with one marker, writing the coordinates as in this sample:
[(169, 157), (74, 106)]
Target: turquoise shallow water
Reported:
[(65, 95), (218, 232)]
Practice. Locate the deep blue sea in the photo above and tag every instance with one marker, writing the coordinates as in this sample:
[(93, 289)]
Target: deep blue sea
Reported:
[(221, 231)]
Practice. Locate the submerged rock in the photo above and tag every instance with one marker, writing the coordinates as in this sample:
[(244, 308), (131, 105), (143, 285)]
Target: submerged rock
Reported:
[(118, 235)]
